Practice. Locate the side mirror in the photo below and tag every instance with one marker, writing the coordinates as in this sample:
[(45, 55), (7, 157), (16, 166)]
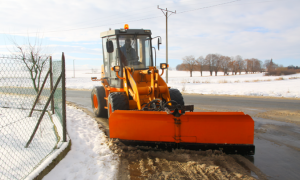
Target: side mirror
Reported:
[(164, 65), (158, 43), (109, 46)]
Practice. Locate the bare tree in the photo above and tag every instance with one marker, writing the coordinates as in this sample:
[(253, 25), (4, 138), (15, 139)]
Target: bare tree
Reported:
[(267, 64), (233, 65), (248, 65), (200, 63), (257, 65), (217, 63), (189, 63), (33, 58), (225, 63), (240, 63), (209, 63), (180, 67)]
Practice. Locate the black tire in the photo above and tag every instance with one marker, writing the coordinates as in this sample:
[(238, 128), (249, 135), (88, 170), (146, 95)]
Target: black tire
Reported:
[(98, 92), (117, 101), (176, 95)]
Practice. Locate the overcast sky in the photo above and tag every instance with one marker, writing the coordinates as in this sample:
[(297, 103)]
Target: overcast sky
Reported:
[(262, 29)]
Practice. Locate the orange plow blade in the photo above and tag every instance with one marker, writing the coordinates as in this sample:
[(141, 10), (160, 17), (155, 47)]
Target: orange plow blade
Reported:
[(232, 132)]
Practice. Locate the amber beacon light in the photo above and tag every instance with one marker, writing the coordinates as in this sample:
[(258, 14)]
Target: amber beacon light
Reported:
[(126, 26)]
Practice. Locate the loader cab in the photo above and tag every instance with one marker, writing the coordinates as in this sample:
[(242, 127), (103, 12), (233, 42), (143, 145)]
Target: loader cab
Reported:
[(125, 47)]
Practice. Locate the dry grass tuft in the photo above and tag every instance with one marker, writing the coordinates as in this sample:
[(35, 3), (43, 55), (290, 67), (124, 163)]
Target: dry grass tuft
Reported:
[(294, 78), (279, 79), (223, 81), (206, 81), (237, 81), (184, 81)]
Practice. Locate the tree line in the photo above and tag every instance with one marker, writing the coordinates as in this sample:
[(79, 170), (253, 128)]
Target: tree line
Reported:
[(215, 63)]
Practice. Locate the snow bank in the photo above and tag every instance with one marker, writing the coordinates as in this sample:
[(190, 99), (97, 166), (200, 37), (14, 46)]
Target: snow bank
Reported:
[(89, 157)]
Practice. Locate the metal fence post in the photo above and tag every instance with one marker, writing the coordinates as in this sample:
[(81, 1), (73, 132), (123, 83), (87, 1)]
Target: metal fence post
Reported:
[(64, 98), (39, 94), (51, 85), (43, 112)]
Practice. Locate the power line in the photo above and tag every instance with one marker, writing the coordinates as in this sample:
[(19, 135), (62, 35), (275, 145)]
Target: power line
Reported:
[(116, 16), (86, 27), (208, 7), (221, 4)]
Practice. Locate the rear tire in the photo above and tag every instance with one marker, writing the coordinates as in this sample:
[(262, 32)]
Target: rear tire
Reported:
[(117, 101), (176, 95), (98, 101)]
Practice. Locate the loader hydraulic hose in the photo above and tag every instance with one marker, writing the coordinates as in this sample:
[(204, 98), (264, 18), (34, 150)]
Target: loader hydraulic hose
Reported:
[(154, 101), (117, 73), (162, 72)]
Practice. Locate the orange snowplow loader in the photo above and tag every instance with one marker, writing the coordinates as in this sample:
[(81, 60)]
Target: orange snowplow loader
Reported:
[(142, 110)]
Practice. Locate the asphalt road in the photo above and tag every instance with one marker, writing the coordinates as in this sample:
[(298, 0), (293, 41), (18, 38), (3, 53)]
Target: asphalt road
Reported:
[(277, 127)]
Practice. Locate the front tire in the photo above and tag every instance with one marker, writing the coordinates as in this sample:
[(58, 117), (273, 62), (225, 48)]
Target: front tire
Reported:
[(98, 101), (117, 101), (176, 95)]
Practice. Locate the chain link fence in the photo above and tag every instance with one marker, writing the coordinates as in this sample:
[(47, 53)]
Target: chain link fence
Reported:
[(32, 123)]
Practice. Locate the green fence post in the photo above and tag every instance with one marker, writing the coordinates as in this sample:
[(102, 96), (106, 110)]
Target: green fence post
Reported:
[(64, 98), (51, 85)]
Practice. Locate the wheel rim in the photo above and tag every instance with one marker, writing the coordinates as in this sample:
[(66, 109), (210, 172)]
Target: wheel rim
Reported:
[(95, 100)]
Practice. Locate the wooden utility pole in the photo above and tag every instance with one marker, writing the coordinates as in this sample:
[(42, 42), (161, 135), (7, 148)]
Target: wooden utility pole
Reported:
[(165, 12)]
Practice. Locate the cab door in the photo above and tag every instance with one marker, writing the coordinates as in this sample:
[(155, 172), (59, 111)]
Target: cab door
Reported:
[(110, 59)]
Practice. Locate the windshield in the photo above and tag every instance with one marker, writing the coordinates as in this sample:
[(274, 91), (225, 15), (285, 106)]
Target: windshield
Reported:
[(135, 51)]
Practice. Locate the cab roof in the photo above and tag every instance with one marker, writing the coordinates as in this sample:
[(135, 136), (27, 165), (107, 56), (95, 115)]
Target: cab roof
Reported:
[(125, 31)]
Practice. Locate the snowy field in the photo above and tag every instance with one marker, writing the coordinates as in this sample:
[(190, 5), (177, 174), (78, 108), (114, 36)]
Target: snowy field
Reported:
[(244, 84)]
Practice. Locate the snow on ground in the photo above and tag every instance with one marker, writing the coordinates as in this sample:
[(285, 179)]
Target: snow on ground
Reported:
[(16, 128), (244, 84), (89, 157)]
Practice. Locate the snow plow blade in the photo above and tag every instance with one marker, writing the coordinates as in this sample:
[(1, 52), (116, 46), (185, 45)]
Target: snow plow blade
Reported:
[(231, 132)]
